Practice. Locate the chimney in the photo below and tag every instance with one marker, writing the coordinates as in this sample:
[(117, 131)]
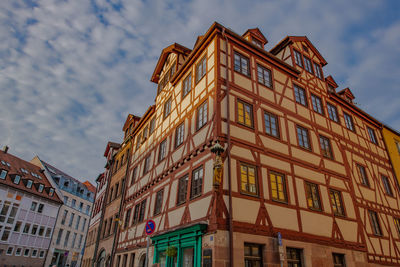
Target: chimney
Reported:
[(5, 149)]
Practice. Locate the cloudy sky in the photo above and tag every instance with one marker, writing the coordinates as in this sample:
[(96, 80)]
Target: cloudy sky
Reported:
[(71, 70)]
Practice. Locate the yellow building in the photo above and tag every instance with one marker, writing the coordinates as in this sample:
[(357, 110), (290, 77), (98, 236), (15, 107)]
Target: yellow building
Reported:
[(392, 141)]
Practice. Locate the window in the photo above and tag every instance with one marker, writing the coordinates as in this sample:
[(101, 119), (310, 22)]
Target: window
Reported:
[(338, 260), (34, 253), (397, 224), (41, 231), (326, 147), (71, 219), (248, 179), (386, 185), (244, 113), (40, 208), (29, 184), (18, 252), (201, 69), (64, 217), (6, 233), (134, 173), (48, 232), (337, 203), (41, 254), (376, 228), (257, 43), (17, 179), (186, 85), (349, 121), (167, 109), (317, 104), (136, 214), (294, 257), (26, 252), (318, 70), (40, 189), (17, 226), (201, 115), (252, 255), (77, 222), (363, 175), (138, 142), (264, 76), (3, 174), (4, 211), (297, 57), (271, 124), (182, 189), (312, 195), (146, 166), (12, 214), (84, 224), (33, 206), (304, 140), (127, 218), (80, 241), (197, 182), (73, 240), (372, 135), (142, 210), (27, 226), (162, 150), (66, 238), (179, 134), (308, 65), (278, 186), (332, 112), (158, 204), (59, 236), (51, 192), (87, 209), (152, 125), (73, 203), (300, 95), (34, 229), (10, 250), (65, 200), (242, 64)]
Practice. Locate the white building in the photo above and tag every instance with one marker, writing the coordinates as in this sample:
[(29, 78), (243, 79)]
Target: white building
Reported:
[(29, 207)]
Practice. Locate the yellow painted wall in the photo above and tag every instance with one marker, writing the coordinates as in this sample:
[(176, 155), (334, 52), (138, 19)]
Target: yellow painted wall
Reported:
[(394, 154)]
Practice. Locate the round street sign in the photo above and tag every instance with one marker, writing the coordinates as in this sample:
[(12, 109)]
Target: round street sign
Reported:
[(150, 227)]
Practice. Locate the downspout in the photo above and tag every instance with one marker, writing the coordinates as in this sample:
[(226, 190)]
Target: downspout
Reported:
[(229, 152), (116, 229), (103, 210)]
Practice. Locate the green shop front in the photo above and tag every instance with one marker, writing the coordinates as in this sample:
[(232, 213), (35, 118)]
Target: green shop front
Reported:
[(179, 248)]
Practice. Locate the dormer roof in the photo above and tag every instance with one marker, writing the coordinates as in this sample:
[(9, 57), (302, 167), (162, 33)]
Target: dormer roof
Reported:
[(291, 39), (257, 34), (347, 94), (109, 146), (174, 48), (331, 82), (129, 119)]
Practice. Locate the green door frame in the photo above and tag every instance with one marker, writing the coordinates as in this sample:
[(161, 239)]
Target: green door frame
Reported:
[(181, 238)]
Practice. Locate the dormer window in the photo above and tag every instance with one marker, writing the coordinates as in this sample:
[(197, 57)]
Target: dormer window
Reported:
[(66, 184), (29, 184), (40, 188), (256, 42), (298, 59), (3, 174), (17, 179), (51, 192)]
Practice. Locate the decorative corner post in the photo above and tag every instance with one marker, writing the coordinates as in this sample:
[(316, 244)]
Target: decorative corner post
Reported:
[(217, 149)]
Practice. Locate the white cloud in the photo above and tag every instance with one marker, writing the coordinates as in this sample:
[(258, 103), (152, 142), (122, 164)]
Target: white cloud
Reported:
[(68, 81)]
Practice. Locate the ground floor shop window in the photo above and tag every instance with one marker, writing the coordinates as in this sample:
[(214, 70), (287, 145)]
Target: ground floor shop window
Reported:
[(294, 257), (181, 247), (252, 255)]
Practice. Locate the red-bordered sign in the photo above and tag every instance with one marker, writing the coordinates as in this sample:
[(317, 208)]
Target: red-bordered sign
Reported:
[(150, 227)]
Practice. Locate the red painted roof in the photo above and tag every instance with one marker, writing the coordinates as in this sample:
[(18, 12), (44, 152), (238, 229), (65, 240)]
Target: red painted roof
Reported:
[(15, 168), (90, 187)]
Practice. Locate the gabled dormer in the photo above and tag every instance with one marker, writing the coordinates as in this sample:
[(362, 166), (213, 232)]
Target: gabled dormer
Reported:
[(332, 85), (256, 37), (130, 123), (171, 58), (347, 95)]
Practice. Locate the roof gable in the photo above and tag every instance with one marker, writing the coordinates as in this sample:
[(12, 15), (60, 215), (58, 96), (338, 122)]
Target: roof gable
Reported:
[(174, 48), (256, 33), (347, 93)]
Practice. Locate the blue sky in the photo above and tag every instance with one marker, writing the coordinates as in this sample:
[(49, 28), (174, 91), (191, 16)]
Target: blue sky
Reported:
[(71, 71)]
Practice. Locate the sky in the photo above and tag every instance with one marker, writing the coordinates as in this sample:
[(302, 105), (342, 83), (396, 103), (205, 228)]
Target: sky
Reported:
[(71, 71)]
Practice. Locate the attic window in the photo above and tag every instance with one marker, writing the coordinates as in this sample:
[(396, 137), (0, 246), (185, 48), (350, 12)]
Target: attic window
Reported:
[(41, 187), (17, 179), (66, 184), (29, 184), (24, 171), (51, 192), (3, 174), (256, 42)]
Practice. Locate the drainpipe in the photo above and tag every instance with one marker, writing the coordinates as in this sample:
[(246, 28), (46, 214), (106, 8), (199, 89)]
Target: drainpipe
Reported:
[(121, 204), (229, 154)]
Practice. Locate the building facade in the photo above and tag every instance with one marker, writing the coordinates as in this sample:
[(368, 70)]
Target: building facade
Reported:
[(29, 207), (392, 141), (253, 158), (68, 241)]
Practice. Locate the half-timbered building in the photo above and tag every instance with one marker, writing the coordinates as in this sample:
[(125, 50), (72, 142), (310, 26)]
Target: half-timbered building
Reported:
[(253, 158)]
